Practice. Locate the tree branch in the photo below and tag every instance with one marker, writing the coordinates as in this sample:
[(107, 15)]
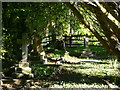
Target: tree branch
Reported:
[(92, 29)]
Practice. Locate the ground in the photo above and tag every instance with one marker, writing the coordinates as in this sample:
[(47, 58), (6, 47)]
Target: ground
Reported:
[(82, 75), (75, 72)]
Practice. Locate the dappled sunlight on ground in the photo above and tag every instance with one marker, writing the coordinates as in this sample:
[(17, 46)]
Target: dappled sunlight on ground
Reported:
[(74, 73)]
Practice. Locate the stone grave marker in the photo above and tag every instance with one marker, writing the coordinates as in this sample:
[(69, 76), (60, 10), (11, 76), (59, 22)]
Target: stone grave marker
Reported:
[(86, 41), (87, 52), (25, 46), (23, 67), (25, 43)]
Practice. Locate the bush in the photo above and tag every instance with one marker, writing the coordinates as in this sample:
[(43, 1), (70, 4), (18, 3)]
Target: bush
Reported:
[(41, 70)]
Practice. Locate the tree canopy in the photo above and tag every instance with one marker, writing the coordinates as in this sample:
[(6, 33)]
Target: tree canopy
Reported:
[(58, 18), (26, 26), (102, 19)]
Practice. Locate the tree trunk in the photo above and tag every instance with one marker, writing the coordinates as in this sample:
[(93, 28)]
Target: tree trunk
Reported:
[(110, 29), (53, 35), (113, 46), (90, 27), (112, 36)]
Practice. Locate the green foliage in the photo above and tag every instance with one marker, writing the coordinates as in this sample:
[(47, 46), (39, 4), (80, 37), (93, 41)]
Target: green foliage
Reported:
[(41, 70), (13, 27), (100, 52), (56, 53), (90, 17), (21, 18)]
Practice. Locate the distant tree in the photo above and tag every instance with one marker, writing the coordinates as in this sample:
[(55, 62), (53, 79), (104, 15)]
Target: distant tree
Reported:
[(13, 26), (22, 17), (101, 18), (54, 19)]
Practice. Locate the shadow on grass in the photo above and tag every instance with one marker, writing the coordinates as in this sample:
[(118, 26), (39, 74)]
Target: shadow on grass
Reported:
[(73, 77), (99, 52), (78, 67)]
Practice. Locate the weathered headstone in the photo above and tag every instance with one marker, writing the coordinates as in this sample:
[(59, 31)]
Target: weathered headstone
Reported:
[(86, 41), (86, 52), (25, 43), (23, 67), (24, 46)]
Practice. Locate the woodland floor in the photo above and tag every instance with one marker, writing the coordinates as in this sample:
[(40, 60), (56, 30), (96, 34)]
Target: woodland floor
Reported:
[(76, 74), (82, 75)]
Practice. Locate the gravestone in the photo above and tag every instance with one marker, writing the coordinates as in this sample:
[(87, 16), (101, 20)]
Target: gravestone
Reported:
[(42, 57), (37, 57), (25, 45), (37, 54), (23, 69), (86, 41), (86, 52), (60, 45)]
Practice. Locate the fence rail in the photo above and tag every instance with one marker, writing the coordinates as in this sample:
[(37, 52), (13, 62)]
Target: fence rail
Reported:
[(75, 40)]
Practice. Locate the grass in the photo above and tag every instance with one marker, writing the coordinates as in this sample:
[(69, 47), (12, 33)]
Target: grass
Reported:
[(100, 52), (56, 53), (86, 75), (41, 70), (81, 75)]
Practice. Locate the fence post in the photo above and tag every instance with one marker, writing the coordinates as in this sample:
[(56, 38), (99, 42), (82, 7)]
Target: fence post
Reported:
[(49, 39), (70, 40), (78, 37), (86, 41)]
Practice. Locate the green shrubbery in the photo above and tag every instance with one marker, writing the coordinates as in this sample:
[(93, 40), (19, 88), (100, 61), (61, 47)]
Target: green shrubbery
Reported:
[(41, 70)]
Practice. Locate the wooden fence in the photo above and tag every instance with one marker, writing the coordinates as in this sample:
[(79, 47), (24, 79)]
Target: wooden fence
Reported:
[(75, 40)]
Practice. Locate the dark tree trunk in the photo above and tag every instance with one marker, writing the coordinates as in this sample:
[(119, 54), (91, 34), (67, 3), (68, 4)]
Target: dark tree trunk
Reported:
[(110, 29), (53, 35)]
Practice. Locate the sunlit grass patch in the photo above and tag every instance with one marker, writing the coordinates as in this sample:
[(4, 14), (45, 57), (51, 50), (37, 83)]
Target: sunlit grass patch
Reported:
[(74, 85), (97, 72), (91, 75), (41, 70), (81, 74)]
